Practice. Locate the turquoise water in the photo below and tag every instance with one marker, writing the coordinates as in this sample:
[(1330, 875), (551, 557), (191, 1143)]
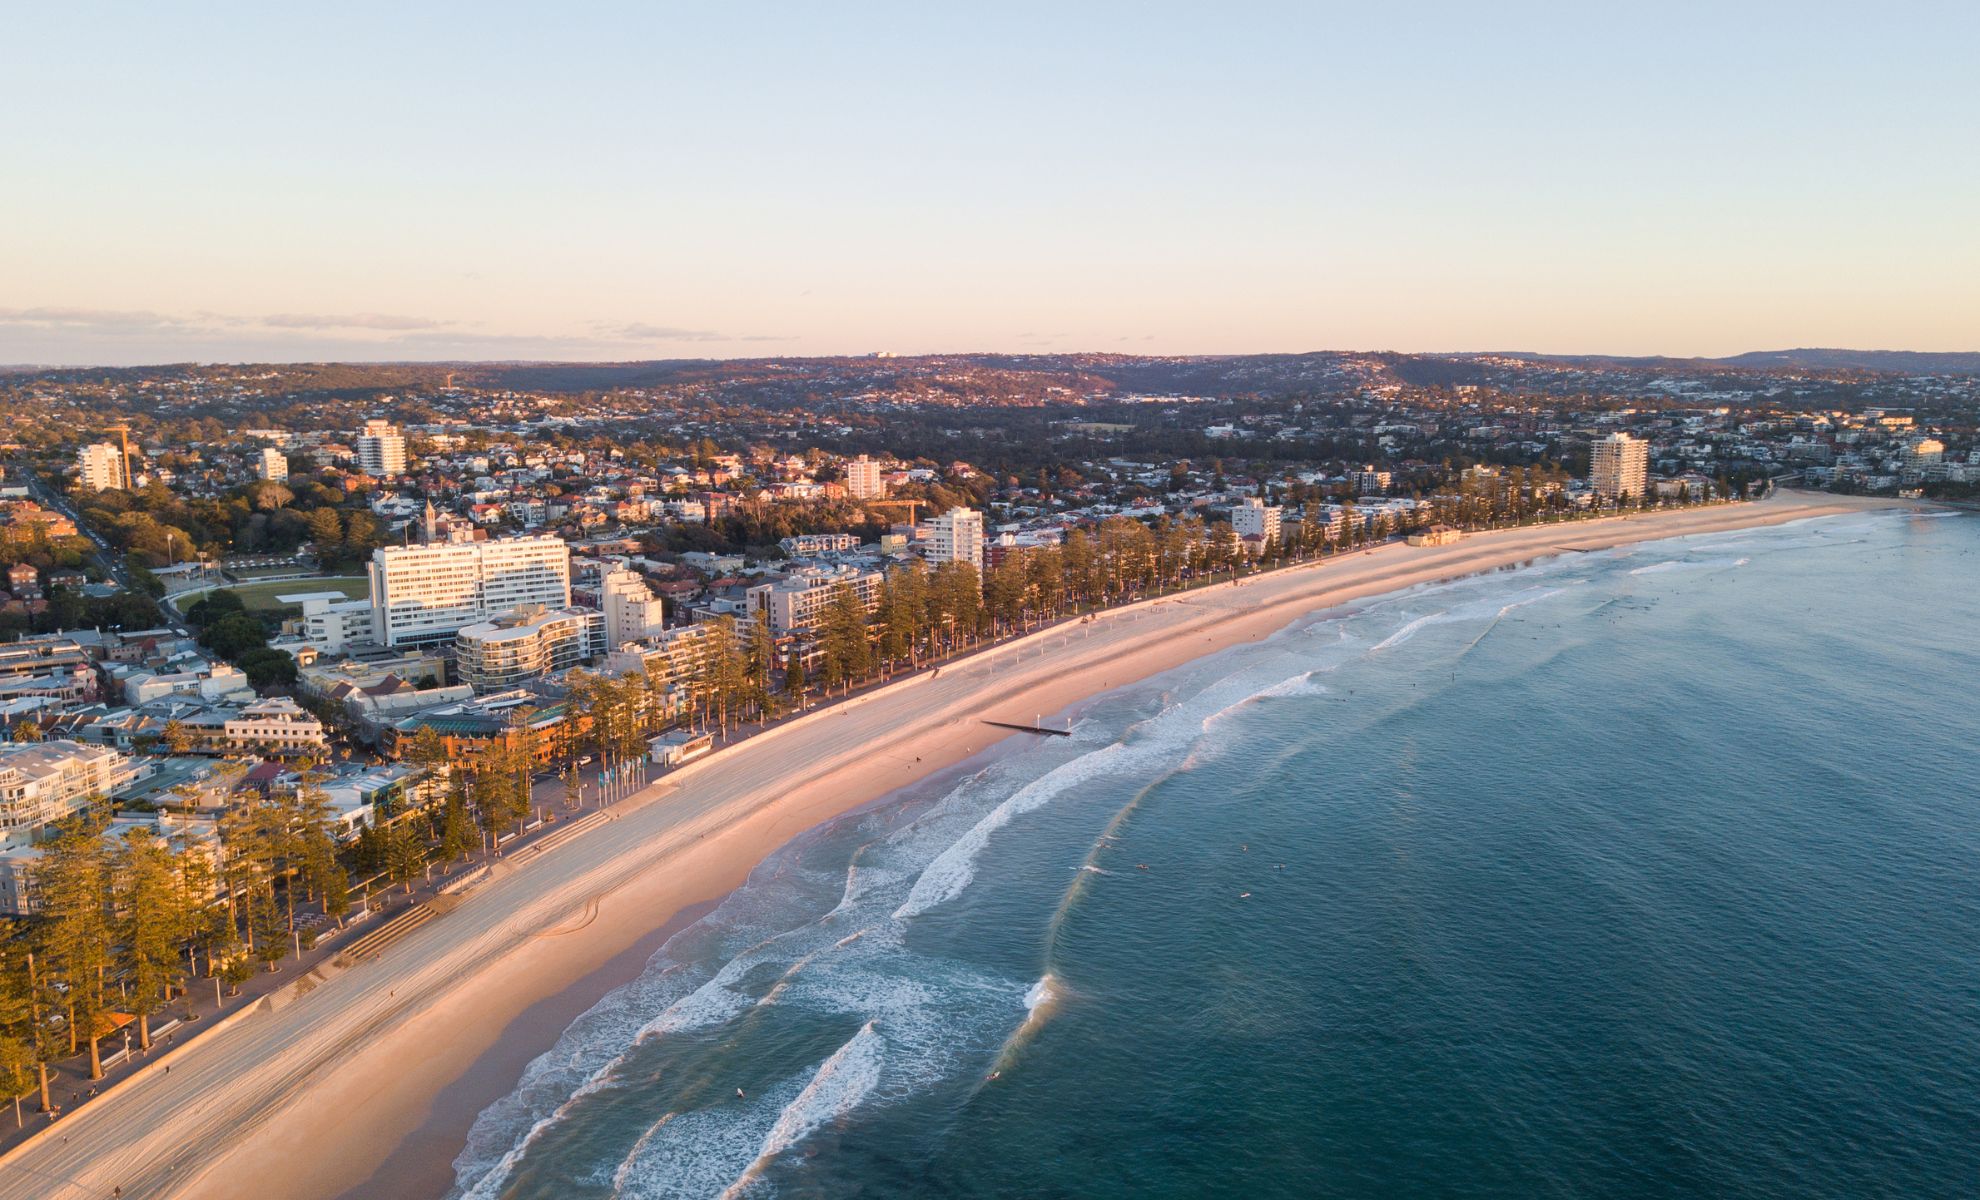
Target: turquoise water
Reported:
[(1652, 872)]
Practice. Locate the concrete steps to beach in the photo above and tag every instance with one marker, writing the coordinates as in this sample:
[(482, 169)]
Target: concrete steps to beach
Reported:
[(391, 931)]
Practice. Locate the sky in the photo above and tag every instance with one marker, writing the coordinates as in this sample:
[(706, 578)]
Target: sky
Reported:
[(354, 181)]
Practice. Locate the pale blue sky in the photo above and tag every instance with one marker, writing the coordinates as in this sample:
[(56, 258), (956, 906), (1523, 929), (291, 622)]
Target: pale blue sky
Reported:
[(230, 181)]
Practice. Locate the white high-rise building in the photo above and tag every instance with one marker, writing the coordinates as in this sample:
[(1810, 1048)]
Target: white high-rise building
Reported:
[(381, 449), (426, 593), (274, 466), (957, 536), (863, 480), (631, 609), (1620, 467), (1254, 517), (100, 468)]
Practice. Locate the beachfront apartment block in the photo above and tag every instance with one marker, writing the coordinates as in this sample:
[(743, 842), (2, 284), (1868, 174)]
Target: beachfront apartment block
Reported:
[(797, 602), (43, 782), (101, 467), (956, 536), (274, 465), (1619, 466), (425, 594), (1253, 517), (381, 449), (864, 480), (528, 643)]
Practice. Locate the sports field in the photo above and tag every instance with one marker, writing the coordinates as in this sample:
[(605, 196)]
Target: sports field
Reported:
[(260, 597)]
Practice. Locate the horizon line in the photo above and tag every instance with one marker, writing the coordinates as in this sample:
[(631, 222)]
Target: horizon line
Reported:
[(885, 356)]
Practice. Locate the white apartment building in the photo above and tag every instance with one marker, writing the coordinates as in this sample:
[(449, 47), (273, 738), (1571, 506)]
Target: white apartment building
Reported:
[(1620, 466), (276, 724), (632, 611), (274, 466), (528, 643), (864, 480), (957, 536), (381, 449), (798, 601), (427, 593), (1253, 517), (100, 467), (43, 782)]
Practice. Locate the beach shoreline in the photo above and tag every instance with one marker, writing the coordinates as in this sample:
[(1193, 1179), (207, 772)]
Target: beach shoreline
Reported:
[(358, 1087)]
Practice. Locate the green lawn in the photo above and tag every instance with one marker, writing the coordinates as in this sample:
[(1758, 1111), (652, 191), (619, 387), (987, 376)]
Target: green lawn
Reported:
[(260, 597)]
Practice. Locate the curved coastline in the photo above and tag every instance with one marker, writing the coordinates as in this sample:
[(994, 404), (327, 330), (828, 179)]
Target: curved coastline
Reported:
[(310, 1099)]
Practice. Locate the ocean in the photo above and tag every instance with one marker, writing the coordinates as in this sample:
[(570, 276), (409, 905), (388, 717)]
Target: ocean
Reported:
[(1652, 872)]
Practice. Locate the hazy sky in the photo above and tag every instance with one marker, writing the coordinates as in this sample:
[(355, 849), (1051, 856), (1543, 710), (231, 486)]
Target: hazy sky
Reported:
[(398, 181)]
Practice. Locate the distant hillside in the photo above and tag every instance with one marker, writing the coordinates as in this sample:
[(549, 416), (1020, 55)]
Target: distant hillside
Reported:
[(1895, 362), (1909, 362)]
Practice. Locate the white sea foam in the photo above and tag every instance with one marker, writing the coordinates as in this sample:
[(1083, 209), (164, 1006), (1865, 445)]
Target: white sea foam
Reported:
[(624, 1170), (1406, 632), (1691, 564), (841, 1083), (704, 1151), (945, 878)]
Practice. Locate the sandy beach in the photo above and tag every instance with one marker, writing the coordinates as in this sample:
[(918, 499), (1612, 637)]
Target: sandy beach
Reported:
[(365, 1084)]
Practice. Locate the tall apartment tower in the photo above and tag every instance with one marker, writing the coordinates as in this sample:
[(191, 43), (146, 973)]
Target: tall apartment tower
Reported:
[(631, 609), (1620, 467), (274, 465), (957, 536), (863, 481), (381, 449), (425, 594), (100, 468)]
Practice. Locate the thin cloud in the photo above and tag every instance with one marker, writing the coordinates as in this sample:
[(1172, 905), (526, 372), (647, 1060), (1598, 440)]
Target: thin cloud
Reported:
[(110, 320), (640, 331), (387, 322)]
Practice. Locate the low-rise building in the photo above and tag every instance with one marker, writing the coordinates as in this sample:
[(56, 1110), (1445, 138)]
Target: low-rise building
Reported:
[(43, 782), (277, 725)]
